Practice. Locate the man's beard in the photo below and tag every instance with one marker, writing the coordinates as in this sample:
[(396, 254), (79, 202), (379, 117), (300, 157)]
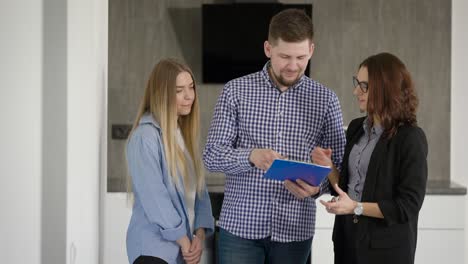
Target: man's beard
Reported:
[(280, 80), (283, 82)]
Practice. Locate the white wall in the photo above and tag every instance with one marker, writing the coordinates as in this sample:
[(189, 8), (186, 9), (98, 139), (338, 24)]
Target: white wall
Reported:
[(85, 120), (459, 97), (21, 102), (20, 133)]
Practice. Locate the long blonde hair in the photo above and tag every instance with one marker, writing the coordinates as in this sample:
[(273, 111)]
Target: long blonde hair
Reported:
[(160, 100)]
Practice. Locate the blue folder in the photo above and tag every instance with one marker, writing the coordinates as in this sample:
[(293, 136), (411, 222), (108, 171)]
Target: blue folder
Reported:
[(292, 170)]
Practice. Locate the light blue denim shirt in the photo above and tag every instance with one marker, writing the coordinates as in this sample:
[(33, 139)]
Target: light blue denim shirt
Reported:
[(159, 215)]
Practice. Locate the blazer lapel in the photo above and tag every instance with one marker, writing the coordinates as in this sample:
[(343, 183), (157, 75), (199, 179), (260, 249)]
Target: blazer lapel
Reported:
[(357, 134)]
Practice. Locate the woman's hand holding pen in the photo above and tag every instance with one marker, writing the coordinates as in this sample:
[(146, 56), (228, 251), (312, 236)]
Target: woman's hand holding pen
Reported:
[(340, 205), (321, 156)]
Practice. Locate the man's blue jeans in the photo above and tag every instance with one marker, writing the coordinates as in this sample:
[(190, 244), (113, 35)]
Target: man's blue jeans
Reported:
[(234, 250)]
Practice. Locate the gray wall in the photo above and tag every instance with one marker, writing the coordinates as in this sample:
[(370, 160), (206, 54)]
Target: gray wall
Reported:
[(417, 31), (54, 133), (142, 32)]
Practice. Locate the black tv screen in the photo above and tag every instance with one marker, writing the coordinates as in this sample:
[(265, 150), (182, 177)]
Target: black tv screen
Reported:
[(233, 37)]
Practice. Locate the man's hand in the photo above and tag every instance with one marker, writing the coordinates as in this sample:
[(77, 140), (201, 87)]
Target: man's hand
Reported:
[(301, 189), (263, 158)]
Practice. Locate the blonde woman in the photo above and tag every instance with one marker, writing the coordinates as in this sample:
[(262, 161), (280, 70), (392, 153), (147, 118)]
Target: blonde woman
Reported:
[(172, 212)]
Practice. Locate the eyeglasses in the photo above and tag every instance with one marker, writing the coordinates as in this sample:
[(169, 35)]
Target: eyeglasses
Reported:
[(363, 85)]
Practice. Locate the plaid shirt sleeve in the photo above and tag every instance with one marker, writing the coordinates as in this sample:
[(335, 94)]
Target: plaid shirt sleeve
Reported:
[(334, 138), (221, 153)]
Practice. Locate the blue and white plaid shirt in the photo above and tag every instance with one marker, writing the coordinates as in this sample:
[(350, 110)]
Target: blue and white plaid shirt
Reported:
[(253, 113)]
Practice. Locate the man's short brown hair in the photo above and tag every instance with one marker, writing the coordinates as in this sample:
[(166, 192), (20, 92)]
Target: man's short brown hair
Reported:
[(291, 25)]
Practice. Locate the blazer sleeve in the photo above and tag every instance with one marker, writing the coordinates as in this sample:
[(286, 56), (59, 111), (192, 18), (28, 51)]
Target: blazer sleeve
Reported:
[(411, 182), (144, 157), (203, 213)]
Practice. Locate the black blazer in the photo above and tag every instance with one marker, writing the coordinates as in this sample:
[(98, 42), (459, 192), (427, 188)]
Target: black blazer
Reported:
[(396, 180)]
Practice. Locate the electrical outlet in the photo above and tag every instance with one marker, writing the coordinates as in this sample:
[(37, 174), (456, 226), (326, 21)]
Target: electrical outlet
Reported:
[(121, 131)]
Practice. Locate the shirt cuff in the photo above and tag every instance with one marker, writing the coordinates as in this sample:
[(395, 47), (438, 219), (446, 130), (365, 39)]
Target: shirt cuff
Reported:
[(243, 158), (172, 234), (324, 188)]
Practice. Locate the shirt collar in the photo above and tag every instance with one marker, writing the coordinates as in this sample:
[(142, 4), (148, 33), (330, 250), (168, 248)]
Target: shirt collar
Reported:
[(266, 76), (376, 129), (147, 118)]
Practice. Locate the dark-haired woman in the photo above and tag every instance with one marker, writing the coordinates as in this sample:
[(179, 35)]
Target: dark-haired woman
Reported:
[(382, 185)]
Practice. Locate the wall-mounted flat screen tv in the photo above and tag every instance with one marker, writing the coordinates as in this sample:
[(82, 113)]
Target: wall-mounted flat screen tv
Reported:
[(233, 37)]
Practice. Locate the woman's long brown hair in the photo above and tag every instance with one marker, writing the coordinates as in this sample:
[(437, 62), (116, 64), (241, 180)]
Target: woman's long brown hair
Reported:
[(392, 96)]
